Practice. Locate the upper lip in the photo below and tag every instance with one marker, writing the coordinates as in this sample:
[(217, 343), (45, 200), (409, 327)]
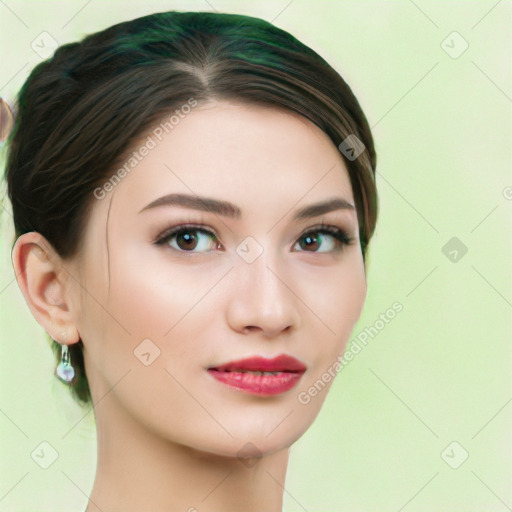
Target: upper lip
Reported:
[(283, 363)]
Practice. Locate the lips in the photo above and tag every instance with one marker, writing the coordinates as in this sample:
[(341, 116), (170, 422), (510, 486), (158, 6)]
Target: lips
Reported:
[(260, 376)]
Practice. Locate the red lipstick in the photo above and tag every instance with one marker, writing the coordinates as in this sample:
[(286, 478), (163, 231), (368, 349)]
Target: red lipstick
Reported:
[(260, 376)]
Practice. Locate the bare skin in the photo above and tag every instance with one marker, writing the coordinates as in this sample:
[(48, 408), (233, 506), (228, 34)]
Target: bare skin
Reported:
[(170, 437)]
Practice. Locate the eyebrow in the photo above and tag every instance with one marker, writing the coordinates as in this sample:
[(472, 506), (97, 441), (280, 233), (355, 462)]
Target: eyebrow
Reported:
[(227, 209)]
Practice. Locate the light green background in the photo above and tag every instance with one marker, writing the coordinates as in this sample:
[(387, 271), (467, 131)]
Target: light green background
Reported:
[(440, 371)]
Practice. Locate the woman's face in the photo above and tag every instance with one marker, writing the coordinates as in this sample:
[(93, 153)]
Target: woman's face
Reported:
[(159, 312)]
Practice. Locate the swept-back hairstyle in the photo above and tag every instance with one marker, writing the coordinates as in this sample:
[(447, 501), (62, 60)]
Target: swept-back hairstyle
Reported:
[(80, 110)]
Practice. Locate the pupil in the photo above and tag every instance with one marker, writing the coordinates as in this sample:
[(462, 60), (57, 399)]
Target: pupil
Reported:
[(310, 239), (188, 239)]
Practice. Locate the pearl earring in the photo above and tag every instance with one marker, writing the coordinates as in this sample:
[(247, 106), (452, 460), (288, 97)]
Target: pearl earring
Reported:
[(65, 370)]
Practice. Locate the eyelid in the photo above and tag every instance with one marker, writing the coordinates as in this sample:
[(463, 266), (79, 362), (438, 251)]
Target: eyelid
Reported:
[(182, 223)]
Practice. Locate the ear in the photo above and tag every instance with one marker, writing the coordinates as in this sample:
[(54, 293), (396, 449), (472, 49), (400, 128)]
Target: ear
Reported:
[(44, 282)]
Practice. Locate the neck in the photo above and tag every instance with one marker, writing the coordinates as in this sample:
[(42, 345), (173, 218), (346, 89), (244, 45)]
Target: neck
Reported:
[(139, 470)]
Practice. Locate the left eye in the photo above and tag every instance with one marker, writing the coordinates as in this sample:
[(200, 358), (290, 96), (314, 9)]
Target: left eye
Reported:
[(335, 239), (190, 238)]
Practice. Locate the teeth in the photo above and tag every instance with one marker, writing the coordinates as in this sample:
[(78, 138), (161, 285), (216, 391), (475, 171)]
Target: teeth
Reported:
[(259, 373)]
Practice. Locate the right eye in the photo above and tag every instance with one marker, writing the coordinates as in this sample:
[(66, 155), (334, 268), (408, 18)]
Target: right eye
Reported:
[(187, 238)]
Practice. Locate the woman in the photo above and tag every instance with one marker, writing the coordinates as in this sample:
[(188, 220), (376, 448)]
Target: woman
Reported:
[(193, 197)]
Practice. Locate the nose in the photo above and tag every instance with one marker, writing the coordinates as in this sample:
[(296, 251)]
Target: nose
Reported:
[(262, 299)]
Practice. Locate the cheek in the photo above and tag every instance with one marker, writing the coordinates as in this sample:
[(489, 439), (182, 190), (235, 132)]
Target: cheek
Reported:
[(350, 294), (335, 297), (347, 303), (338, 304), (154, 298), (146, 348), (161, 316)]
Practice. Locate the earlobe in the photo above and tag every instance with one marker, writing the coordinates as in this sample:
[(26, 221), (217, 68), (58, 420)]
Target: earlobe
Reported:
[(42, 278)]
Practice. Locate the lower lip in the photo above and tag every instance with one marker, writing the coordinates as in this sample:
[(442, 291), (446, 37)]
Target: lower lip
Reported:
[(263, 385)]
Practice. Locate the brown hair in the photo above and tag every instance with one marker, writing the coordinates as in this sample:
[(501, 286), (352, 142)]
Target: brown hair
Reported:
[(80, 110)]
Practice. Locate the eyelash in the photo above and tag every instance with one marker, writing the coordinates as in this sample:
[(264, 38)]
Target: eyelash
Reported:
[(338, 234)]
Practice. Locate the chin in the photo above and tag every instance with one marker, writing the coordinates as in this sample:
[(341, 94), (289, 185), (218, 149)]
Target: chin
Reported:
[(254, 447), (253, 439)]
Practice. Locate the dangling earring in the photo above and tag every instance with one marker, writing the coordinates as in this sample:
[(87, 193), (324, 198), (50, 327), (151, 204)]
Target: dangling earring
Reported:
[(65, 370)]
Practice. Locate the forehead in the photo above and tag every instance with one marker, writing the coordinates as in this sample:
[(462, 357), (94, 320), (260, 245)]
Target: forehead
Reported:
[(248, 154)]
